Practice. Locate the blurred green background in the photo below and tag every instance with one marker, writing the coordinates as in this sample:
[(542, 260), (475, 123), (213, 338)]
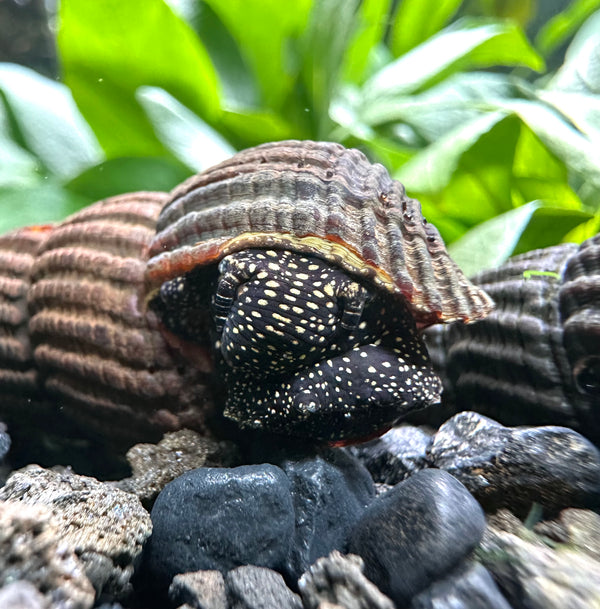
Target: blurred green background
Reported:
[(487, 110)]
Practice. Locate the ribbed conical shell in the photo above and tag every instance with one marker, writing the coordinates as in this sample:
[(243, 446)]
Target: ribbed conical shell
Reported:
[(98, 355), (517, 365), (318, 198)]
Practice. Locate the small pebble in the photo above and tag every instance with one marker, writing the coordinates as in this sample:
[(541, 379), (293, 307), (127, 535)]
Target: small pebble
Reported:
[(154, 465), (330, 492), (32, 549), (533, 575), (469, 587), (396, 455), (4, 441), (250, 587), (104, 526), (219, 519), (22, 594), (515, 467), (339, 580), (416, 533), (202, 589)]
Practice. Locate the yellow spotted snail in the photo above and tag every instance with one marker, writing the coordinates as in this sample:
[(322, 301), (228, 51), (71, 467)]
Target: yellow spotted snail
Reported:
[(286, 286)]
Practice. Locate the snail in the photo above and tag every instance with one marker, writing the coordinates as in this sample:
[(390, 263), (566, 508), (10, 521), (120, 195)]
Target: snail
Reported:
[(286, 287), (536, 358)]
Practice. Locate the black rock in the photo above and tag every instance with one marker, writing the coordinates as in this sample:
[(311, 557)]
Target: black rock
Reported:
[(202, 589), (396, 455), (218, 519), (515, 467), (416, 533), (330, 493), (252, 587), (471, 586)]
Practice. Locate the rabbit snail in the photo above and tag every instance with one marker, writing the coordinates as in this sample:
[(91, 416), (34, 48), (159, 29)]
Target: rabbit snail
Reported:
[(287, 285), (536, 358)]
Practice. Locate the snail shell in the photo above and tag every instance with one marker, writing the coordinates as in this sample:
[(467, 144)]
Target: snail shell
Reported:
[(76, 340), (536, 358)]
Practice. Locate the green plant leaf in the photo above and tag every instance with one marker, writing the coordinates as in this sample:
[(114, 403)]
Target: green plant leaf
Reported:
[(37, 204), (581, 70), (417, 20), (253, 127), (582, 109), (109, 49), (466, 44), (187, 136), (48, 122), (370, 27), (491, 243), (262, 30), (565, 24), (118, 176)]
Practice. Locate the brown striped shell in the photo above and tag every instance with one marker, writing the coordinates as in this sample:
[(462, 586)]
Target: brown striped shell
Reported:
[(318, 198), (536, 358), (76, 339)]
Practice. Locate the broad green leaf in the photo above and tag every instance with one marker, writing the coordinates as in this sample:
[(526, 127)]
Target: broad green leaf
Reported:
[(568, 144), (111, 48), (48, 122), (371, 25), (417, 20), (187, 136), (491, 243), (251, 127), (323, 46), (548, 226), (582, 109), (47, 202), (581, 69), (262, 29), (118, 176), (565, 24), (430, 170), (463, 45)]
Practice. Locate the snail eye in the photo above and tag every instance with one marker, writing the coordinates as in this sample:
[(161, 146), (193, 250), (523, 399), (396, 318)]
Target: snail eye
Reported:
[(587, 375)]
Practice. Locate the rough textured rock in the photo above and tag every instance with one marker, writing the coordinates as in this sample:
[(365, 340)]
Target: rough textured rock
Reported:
[(4, 441), (330, 492), (338, 580), (105, 527), (515, 467), (250, 587), (532, 575), (416, 533), (32, 549), (220, 518), (396, 455), (22, 595), (200, 590), (155, 465), (469, 587)]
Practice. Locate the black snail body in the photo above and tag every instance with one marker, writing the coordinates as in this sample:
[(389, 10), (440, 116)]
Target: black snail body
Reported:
[(286, 286), (536, 358)]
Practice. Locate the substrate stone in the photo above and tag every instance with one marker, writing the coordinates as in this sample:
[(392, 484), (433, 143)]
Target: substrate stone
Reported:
[(416, 533), (330, 492), (22, 594), (339, 580), (32, 549), (105, 527), (516, 467), (250, 587), (218, 519), (200, 589)]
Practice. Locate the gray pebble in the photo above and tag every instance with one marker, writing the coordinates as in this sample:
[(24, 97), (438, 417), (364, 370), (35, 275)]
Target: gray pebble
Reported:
[(32, 549), (469, 587), (200, 590), (536, 576), (396, 455), (416, 533), (515, 467), (4, 441), (22, 594), (338, 580), (250, 587), (104, 526)]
